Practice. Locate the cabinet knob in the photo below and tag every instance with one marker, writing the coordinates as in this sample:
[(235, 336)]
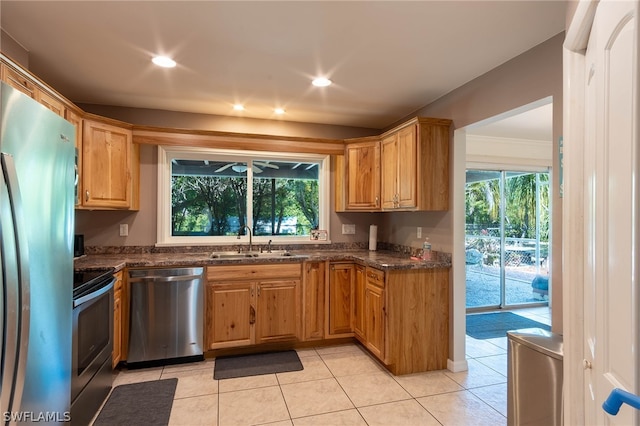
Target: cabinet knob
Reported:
[(586, 365)]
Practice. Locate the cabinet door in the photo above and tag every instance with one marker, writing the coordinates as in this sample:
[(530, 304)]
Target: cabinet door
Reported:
[(313, 300), (389, 171), (407, 168), (363, 176), (277, 311), (76, 119), (50, 102), (340, 298), (374, 312), (117, 328), (230, 315), (106, 170), (18, 81), (360, 283), (116, 354)]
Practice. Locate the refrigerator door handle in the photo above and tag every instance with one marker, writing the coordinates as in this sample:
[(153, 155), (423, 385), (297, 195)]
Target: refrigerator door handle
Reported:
[(21, 297)]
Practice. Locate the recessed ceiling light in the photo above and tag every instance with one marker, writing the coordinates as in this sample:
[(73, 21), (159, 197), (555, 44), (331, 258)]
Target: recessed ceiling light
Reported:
[(321, 82), (163, 61), (279, 111), (238, 107)]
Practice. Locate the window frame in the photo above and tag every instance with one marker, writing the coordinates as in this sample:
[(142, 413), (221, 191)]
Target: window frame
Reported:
[(167, 153)]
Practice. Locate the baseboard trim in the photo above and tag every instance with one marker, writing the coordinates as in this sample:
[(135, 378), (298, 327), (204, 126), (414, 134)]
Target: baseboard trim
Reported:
[(457, 366)]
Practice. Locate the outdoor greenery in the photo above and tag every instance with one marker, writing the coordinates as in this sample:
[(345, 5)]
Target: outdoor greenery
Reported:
[(482, 200), (217, 206)]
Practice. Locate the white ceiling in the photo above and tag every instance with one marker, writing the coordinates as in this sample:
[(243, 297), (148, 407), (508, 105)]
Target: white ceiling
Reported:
[(387, 58), (533, 124)]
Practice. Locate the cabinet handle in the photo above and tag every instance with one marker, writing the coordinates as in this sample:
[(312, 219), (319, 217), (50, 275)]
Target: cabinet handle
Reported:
[(252, 315), (377, 199), (258, 291), (86, 195)]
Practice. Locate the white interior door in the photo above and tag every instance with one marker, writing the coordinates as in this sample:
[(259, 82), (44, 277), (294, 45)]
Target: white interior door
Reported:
[(611, 212)]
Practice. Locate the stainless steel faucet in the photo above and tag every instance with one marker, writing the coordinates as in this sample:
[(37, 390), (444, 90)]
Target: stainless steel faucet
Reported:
[(250, 239)]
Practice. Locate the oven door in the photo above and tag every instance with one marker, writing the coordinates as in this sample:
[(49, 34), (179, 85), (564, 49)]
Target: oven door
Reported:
[(92, 336)]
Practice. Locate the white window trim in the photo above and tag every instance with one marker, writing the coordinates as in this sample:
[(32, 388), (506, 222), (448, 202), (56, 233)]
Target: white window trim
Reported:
[(166, 153)]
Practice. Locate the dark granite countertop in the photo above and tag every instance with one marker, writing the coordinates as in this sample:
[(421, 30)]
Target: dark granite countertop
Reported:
[(387, 260)]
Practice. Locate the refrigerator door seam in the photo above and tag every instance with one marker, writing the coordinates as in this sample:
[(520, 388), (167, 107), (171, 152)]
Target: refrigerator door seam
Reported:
[(22, 254)]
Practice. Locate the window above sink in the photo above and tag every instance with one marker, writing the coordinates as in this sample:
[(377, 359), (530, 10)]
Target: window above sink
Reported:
[(208, 196)]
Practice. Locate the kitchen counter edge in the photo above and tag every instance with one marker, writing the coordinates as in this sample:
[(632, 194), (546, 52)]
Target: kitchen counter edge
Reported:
[(385, 260)]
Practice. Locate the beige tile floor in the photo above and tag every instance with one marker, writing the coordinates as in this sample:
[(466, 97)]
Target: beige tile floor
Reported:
[(343, 385)]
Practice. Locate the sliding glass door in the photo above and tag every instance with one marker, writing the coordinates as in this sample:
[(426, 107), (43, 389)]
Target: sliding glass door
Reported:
[(507, 238)]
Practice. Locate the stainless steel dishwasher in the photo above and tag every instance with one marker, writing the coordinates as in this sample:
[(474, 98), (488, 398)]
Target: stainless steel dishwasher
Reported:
[(166, 314)]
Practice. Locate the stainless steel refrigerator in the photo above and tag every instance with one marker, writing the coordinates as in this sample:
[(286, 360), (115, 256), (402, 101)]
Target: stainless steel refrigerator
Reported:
[(36, 232)]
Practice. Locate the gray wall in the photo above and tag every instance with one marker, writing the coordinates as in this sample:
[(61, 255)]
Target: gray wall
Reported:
[(532, 76)]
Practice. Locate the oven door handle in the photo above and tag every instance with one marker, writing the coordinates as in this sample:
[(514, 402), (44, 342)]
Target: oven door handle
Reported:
[(89, 297)]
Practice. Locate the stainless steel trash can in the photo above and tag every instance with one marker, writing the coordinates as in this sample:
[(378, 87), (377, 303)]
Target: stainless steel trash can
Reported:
[(534, 378)]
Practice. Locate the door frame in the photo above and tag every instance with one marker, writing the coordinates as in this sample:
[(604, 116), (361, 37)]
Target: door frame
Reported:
[(573, 248), (457, 335)]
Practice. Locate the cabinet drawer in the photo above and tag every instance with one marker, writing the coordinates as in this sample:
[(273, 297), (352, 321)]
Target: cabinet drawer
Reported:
[(254, 272), (375, 277)]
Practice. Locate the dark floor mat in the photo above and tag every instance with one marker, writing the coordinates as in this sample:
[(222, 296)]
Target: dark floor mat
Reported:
[(496, 324), (228, 367), (146, 403)]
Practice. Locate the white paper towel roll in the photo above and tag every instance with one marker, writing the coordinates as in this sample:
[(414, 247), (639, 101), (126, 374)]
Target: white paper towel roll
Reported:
[(373, 237)]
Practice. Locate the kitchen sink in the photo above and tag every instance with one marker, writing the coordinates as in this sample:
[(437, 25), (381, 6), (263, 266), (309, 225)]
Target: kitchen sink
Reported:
[(253, 254)]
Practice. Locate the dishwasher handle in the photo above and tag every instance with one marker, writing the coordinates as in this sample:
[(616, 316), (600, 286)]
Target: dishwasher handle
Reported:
[(158, 278)]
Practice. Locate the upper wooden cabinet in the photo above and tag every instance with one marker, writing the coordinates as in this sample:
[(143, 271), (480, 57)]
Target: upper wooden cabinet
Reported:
[(110, 166), (363, 175), (400, 169), (18, 80), (107, 160), (51, 102), (405, 169), (75, 118), (415, 166), (28, 85)]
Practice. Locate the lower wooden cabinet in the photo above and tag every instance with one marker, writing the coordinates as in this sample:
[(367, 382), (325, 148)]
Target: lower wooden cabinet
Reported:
[(374, 312), (230, 314), (313, 300), (360, 282), (340, 299), (400, 316), (252, 304), (417, 320), (278, 310), (117, 320)]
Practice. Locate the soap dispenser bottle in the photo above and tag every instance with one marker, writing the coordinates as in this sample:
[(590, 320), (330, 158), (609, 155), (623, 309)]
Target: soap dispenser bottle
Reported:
[(426, 249)]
